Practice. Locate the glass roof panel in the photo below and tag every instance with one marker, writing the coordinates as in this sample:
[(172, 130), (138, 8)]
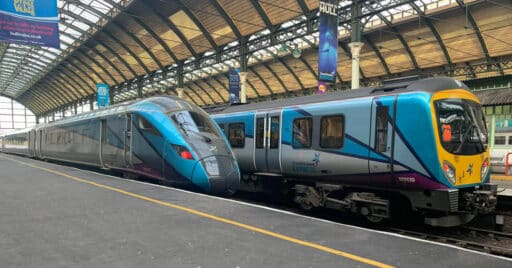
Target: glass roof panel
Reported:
[(19, 62)]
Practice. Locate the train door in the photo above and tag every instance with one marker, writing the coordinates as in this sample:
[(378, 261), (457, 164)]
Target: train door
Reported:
[(103, 140), (32, 143), (128, 160), (382, 135), (39, 143), (268, 141)]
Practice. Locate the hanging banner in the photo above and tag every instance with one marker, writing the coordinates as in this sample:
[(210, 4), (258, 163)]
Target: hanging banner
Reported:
[(328, 46), (234, 86), (102, 95), (30, 22)]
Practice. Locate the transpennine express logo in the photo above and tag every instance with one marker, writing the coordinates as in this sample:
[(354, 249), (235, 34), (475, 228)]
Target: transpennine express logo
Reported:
[(25, 6)]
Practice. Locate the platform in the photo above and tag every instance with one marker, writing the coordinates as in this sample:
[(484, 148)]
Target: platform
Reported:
[(60, 216)]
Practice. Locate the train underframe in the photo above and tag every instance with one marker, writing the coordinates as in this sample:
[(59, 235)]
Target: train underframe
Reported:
[(445, 208)]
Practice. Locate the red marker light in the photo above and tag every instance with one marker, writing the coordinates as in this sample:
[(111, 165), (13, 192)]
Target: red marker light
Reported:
[(186, 154)]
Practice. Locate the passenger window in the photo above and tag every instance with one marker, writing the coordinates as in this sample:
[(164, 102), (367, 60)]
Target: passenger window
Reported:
[(499, 140), (302, 129), (381, 129), (146, 126), (274, 132), (260, 122), (331, 134), (509, 140), (237, 135)]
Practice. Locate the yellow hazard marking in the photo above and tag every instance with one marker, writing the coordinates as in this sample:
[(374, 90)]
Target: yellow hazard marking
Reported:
[(213, 217), (501, 177)]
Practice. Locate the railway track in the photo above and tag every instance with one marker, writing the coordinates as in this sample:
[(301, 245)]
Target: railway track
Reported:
[(486, 247)]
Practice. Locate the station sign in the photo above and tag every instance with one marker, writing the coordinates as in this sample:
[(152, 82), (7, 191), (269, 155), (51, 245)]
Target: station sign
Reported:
[(102, 95), (30, 22), (328, 41)]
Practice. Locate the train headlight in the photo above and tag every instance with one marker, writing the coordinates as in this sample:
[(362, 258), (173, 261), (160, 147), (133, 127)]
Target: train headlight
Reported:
[(484, 169), (449, 171)]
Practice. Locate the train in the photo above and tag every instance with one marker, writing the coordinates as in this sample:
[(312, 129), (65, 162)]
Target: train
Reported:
[(165, 138), (419, 146), (501, 153)]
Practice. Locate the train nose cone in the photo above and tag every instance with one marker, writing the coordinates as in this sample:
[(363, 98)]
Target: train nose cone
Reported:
[(222, 173)]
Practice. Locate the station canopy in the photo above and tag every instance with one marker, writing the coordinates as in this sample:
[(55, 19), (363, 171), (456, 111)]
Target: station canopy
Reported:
[(140, 47)]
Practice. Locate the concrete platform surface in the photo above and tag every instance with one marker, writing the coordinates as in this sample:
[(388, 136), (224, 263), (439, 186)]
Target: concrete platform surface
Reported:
[(58, 216)]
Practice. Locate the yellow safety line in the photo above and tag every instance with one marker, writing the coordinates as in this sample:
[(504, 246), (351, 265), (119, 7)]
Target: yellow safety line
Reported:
[(215, 218), (501, 177)]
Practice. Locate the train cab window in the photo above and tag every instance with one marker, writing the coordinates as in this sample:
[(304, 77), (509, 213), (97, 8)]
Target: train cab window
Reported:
[(302, 129), (146, 126), (331, 131), (236, 135), (499, 140), (381, 129)]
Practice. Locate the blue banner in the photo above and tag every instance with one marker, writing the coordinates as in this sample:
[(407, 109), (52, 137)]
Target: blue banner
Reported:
[(328, 46), (234, 86), (30, 22), (102, 95)]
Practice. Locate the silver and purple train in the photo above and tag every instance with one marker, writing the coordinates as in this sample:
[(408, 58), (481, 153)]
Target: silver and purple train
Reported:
[(165, 138), (418, 145)]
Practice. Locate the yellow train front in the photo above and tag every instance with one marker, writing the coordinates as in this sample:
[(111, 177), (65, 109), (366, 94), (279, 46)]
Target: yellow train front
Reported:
[(462, 149)]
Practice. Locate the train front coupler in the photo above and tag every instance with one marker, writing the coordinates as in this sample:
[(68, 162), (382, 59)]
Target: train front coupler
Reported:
[(482, 200)]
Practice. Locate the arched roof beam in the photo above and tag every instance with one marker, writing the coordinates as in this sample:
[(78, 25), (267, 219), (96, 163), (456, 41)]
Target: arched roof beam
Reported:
[(99, 65), (75, 74), (132, 71), (141, 44), (104, 31), (112, 65), (256, 4), (84, 33), (89, 77), (262, 80), (434, 31), (173, 27), (53, 92), (198, 24), (202, 89), (128, 50), (401, 39), (78, 93), (471, 20), (212, 87), (226, 17), (304, 7), (379, 55), (61, 90), (292, 73), (103, 80)]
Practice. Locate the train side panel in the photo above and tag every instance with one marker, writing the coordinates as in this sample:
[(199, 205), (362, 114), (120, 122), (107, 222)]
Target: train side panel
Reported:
[(242, 143), (17, 143)]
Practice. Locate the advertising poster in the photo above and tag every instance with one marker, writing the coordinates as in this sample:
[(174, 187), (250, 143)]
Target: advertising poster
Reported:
[(30, 22), (102, 95), (234, 86), (328, 43)]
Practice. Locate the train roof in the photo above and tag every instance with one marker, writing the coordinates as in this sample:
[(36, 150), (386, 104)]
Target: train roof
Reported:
[(430, 85), (119, 108)]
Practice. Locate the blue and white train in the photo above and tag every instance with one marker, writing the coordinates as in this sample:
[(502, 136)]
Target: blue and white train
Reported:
[(420, 145), (165, 138)]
